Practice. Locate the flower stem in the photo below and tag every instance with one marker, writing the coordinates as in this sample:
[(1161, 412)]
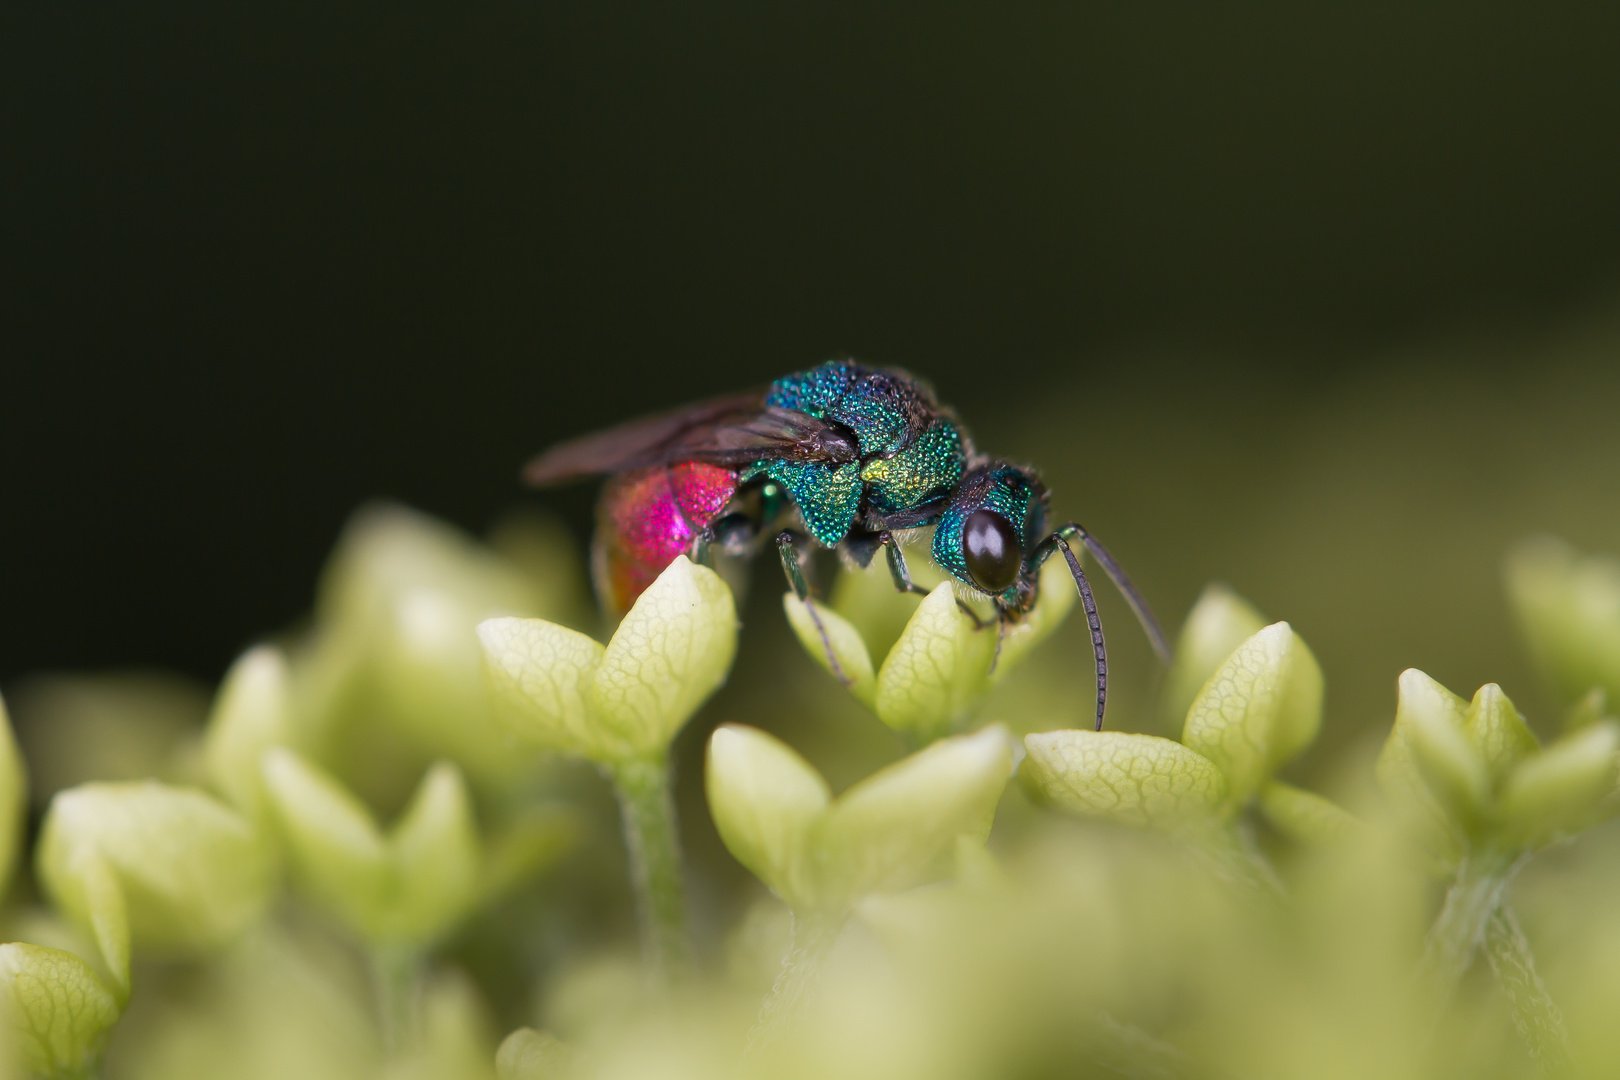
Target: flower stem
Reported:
[(1460, 927), (1535, 1013), (650, 833), (812, 937), (396, 979)]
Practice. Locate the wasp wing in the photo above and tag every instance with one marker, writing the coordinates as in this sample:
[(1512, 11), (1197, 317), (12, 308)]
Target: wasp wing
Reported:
[(732, 432)]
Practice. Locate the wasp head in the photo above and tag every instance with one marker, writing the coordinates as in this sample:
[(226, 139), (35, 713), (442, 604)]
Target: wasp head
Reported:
[(987, 536)]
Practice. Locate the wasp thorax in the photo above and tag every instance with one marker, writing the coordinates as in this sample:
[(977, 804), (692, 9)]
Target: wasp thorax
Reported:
[(990, 549)]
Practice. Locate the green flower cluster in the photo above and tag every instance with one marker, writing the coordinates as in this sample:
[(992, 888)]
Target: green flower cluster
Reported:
[(191, 869), (381, 848)]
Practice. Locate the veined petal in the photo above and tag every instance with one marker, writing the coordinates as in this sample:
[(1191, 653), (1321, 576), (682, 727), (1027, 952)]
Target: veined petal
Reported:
[(1260, 708), (539, 673), (670, 652), (938, 668), (1125, 777)]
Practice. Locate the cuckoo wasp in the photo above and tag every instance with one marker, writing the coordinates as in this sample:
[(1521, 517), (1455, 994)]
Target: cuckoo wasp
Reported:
[(839, 456)]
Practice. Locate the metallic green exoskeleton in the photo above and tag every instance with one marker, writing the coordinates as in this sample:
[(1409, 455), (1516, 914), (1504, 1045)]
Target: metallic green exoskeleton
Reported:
[(843, 456)]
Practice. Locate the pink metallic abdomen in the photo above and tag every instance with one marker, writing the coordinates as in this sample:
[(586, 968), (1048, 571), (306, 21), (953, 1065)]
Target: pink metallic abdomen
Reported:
[(646, 518)]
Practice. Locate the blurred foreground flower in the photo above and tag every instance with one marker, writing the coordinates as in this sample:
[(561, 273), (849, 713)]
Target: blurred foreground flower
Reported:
[(59, 1010), (409, 888), (893, 830), (389, 677), (896, 829), (136, 865), (401, 892), (926, 680), (150, 865), (619, 707), (1568, 607)]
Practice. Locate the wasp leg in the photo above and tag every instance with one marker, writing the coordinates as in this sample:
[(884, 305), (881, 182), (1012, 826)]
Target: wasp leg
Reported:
[(897, 566), (787, 547), (903, 583)]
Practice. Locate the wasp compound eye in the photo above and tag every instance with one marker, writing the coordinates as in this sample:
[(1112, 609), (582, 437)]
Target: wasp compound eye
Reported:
[(990, 549)]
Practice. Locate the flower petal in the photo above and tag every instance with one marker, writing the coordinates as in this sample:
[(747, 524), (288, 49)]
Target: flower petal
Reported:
[(1134, 779)]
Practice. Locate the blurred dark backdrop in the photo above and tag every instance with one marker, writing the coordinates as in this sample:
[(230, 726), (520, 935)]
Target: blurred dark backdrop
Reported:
[(262, 262)]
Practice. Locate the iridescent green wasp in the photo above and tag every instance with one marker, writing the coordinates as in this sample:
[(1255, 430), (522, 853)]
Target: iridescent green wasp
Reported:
[(841, 456)]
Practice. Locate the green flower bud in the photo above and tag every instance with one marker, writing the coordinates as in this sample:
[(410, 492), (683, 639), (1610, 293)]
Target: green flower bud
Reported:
[(1133, 779), (670, 652), (388, 552), (155, 865), (1403, 783), (1216, 626), (426, 675), (1592, 707), (330, 838), (437, 857), (395, 615), (854, 662), (1305, 815), (764, 799), (90, 892), (1497, 731), (564, 691), (1475, 781), (55, 1010), (899, 827), (936, 663), (1429, 757), (878, 611), (1261, 707), (1560, 790), (250, 716), (407, 888), (1568, 607), (13, 799), (896, 829), (937, 670)]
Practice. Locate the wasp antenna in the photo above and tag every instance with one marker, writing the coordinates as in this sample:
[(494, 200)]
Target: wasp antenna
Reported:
[(1144, 614), (1090, 605)]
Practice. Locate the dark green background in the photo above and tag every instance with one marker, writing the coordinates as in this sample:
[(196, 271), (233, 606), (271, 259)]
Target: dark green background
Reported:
[(264, 261)]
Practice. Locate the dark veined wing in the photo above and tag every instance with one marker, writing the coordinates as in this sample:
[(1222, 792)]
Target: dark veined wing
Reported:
[(732, 431)]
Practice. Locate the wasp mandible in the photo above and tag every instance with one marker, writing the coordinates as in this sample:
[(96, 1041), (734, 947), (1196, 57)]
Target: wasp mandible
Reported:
[(842, 456)]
